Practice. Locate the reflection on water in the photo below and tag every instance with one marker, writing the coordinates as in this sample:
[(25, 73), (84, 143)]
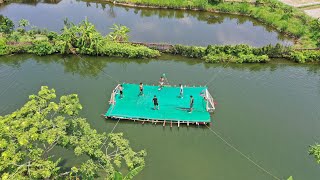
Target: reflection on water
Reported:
[(88, 66), (149, 25)]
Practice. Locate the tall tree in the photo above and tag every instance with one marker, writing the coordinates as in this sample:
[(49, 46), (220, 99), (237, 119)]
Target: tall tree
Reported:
[(28, 136), (82, 38)]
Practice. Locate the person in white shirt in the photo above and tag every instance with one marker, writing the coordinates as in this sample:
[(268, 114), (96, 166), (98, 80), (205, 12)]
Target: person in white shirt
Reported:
[(181, 91)]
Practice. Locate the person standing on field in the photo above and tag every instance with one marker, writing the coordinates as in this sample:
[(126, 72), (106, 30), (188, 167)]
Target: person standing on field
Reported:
[(155, 102)]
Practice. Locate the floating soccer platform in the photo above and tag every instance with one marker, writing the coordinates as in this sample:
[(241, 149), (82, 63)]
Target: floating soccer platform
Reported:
[(172, 107)]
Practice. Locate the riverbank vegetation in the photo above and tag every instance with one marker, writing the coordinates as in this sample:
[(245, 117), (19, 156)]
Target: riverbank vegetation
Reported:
[(82, 39), (29, 135), (245, 54), (286, 19)]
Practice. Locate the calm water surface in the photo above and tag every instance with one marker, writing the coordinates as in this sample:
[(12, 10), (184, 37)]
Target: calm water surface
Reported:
[(270, 112), (149, 25)]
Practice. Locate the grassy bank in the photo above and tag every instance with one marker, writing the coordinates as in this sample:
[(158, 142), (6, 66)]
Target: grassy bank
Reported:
[(245, 54), (284, 18), (84, 39)]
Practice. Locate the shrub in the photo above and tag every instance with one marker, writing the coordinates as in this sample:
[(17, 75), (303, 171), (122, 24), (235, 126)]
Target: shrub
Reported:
[(277, 51), (251, 58), (3, 46), (235, 50), (42, 48), (221, 57), (52, 35), (15, 36), (188, 51), (6, 25), (127, 50), (305, 56), (11, 49)]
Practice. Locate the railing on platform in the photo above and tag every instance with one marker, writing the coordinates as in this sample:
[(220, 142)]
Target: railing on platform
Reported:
[(113, 95), (210, 102)]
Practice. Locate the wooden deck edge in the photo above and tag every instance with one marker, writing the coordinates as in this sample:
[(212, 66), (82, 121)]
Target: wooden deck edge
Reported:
[(155, 121)]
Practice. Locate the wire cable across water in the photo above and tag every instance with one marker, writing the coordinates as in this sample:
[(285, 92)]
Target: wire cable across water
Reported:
[(238, 151), (217, 74)]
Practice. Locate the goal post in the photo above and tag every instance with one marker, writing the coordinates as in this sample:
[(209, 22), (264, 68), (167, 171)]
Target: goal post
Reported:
[(113, 95), (210, 103)]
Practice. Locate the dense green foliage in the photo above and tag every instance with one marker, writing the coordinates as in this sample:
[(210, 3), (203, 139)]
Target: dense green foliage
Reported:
[(42, 48), (189, 51), (83, 38), (3, 46), (28, 136), (315, 151), (74, 39), (228, 53), (23, 23), (127, 50), (237, 53), (305, 56), (245, 54), (119, 33), (6, 25), (315, 29), (201, 4), (282, 17)]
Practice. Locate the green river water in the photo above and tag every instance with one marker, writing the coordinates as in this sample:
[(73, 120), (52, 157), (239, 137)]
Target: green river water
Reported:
[(270, 112)]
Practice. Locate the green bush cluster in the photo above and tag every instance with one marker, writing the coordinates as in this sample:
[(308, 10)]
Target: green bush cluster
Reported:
[(127, 50), (251, 58), (188, 51), (305, 56), (3, 46), (226, 53), (277, 51), (18, 49), (238, 54), (42, 48), (243, 58), (200, 4), (245, 54), (234, 50), (216, 58), (6, 24)]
